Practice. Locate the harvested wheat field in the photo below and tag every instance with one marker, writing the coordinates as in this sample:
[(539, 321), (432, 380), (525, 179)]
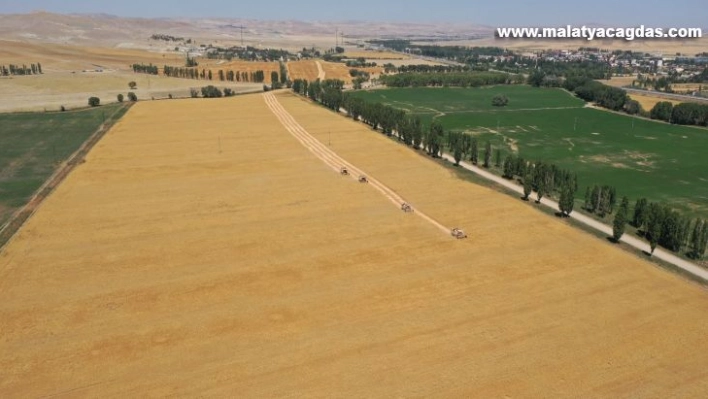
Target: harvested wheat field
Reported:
[(337, 70), (304, 69), (57, 57), (240, 66), (52, 90), (648, 102), (225, 256)]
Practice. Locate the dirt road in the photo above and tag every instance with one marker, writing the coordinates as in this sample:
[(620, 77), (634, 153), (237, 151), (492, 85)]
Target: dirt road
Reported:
[(320, 71)]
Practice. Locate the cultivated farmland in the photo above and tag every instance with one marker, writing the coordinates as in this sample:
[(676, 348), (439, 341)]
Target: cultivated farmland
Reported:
[(641, 158), (304, 69), (212, 255), (34, 145)]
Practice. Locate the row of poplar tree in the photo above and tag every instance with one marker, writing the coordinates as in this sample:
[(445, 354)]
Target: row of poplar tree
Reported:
[(195, 73), (14, 70)]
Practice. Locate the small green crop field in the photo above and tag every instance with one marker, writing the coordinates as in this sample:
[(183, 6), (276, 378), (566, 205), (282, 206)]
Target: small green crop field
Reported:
[(33, 145), (641, 158)]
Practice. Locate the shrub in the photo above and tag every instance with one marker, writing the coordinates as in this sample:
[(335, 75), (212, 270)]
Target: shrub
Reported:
[(62, 108), (211, 92), (132, 97), (94, 101), (228, 92), (500, 100), (193, 93), (132, 85), (120, 98)]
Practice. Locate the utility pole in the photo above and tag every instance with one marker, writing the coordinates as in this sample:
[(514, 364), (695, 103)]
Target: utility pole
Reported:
[(336, 37)]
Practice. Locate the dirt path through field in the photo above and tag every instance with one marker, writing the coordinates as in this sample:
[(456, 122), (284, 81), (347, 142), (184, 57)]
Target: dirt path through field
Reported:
[(334, 161), (320, 71)]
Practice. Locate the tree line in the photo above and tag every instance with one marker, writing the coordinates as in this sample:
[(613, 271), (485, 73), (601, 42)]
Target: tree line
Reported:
[(457, 53), (149, 69), (457, 79), (664, 226), (15, 70), (167, 38), (681, 114), (221, 75)]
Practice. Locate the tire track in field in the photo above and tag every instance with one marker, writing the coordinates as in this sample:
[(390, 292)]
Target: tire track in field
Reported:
[(334, 161)]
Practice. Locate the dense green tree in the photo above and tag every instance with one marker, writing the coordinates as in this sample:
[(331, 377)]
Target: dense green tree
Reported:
[(662, 111), (474, 151), (654, 225), (120, 98), (94, 101), (132, 97), (211, 92), (535, 78), (528, 186), (434, 139), (699, 239), (566, 202), (640, 213), (457, 152), (497, 157), (632, 107), (487, 154), (508, 169), (620, 221)]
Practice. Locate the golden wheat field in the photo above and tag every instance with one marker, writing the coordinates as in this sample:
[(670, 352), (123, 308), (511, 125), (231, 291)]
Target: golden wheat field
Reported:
[(303, 69), (336, 70), (218, 257), (648, 102), (57, 57)]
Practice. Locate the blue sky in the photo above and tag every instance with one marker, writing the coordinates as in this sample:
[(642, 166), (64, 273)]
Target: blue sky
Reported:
[(679, 13)]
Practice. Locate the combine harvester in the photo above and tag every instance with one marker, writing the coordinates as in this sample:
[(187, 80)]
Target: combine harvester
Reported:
[(458, 233)]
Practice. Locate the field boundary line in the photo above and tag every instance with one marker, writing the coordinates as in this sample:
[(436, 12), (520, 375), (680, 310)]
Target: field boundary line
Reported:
[(14, 224), (334, 161)]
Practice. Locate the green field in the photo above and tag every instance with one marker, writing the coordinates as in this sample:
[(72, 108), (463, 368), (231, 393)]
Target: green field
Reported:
[(33, 145), (641, 158)]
